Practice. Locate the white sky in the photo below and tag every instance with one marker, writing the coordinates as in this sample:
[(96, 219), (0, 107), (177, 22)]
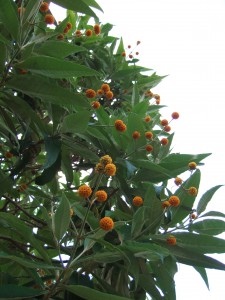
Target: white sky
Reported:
[(185, 39)]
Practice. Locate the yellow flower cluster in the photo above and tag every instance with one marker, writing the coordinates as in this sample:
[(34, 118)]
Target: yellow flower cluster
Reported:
[(105, 166)]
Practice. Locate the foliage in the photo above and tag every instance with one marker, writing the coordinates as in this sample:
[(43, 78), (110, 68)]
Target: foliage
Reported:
[(62, 87)]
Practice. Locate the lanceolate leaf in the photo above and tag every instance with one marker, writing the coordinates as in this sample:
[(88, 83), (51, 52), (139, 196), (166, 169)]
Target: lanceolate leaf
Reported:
[(77, 6), (208, 226), (203, 274), (62, 218), (91, 294), (45, 89), (9, 17), (76, 123), (55, 67), (12, 291), (206, 197)]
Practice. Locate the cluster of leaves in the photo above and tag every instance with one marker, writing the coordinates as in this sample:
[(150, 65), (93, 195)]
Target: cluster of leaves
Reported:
[(51, 141)]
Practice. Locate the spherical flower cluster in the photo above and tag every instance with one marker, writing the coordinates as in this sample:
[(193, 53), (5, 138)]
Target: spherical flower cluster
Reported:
[(95, 104), (120, 126), (171, 240), (149, 148), (105, 87), (193, 216), (23, 71), (99, 168), (90, 93), (164, 122), (78, 33), (164, 141), (49, 19), (192, 191), (136, 135), (97, 29), (106, 159), (84, 191), (147, 119), (178, 181), (123, 54), (174, 201), (167, 128), (148, 135), (149, 94), (109, 95), (106, 223), (60, 37), (44, 7), (8, 154), (165, 204), (23, 187), (88, 32), (101, 196), (69, 25), (137, 201), (192, 165), (175, 115), (110, 170), (100, 92)]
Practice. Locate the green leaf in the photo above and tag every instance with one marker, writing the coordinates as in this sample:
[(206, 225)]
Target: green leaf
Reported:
[(28, 263), (53, 148), (76, 123), (147, 282), (150, 172), (62, 218), (91, 294), (49, 173), (203, 274), (200, 243), (206, 197), (5, 183), (67, 165), (11, 291), (130, 71), (77, 6), (9, 17), (210, 227), (2, 56), (45, 89), (58, 49), (138, 221), (178, 163), (150, 81), (81, 212), (213, 214), (55, 68)]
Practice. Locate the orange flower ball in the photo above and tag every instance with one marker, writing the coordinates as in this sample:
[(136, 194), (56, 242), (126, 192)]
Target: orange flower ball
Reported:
[(106, 159), (192, 165), (164, 122), (88, 32), (175, 115), (101, 196), (105, 87), (123, 54), (97, 29), (174, 201), (147, 119), (136, 135), (44, 7), (148, 135), (171, 240), (49, 19), (192, 191), (109, 95), (164, 141), (167, 128), (84, 191), (178, 181), (90, 93), (120, 126), (137, 201), (106, 223), (78, 33), (149, 148), (166, 204), (95, 104), (110, 169)]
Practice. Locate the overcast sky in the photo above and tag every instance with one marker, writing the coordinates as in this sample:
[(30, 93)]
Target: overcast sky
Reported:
[(184, 39)]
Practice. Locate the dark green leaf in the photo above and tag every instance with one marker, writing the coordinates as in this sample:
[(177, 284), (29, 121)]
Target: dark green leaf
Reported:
[(77, 6), (62, 218), (138, 221), (53, 148), (5, 183), (2, 56), (11, 291), (55, 68), (58, 49), (76, 123), (203, 274), (210, 227), (91, 294), (45, 89), (213, 214), (206, 197), (128, 72), (9, 17)]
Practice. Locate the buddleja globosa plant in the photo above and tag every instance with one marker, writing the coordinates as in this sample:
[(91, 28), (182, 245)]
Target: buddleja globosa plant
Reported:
[(86, 208)]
